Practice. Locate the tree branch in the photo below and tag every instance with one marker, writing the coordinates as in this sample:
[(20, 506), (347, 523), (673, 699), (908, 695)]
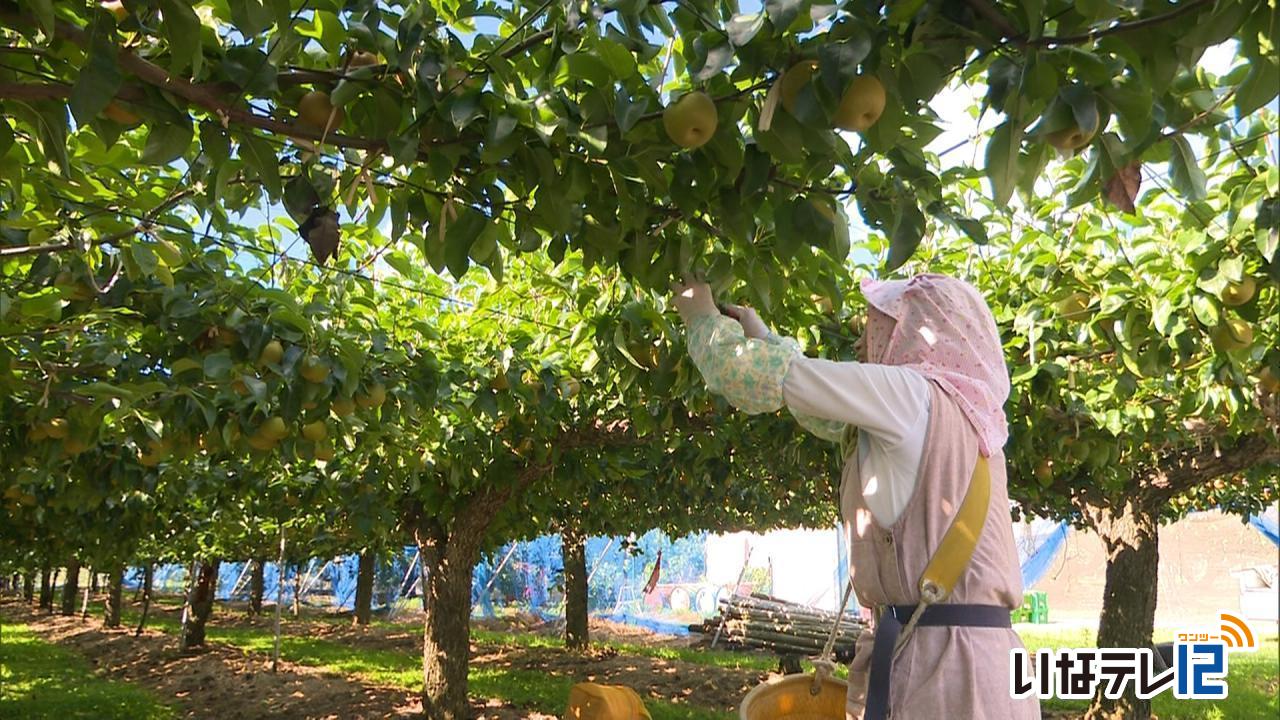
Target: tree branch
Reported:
[(1179, 471), (997, 19)]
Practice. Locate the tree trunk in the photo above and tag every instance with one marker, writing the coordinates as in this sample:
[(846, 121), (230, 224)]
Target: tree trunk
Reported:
[(115, 590), (70, 588), (297, 589), (574, 550), (148, 577), (447, 625), (93, 582), (257, 586), (47, 581), (29, 587), (364, 588), (201, 604), (1131, 539)]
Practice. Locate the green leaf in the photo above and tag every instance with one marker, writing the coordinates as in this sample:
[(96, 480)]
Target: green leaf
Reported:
[(1084, 107), (251, 17), (908, 231), (249, 68), (215, 144), (144, 256), (718, 57), (783, 12), (43, 10), (628, 111), (6, 137), (1260, 86), (742, 28), (587, 67), (300, 198), (217, 366), (622, 64), (460, 234), (166, 142), (1002, 161), (903, 11), (259, 155), (46, 305), (1184, 171), (98, 79), (1205, 309), (182, 27)]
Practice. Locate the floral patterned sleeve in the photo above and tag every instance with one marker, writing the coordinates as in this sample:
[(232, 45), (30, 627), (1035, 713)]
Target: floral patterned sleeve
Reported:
[(749, 372)]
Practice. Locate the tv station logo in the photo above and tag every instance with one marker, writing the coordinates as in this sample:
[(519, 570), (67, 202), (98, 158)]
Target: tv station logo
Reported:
[(1194, 667)]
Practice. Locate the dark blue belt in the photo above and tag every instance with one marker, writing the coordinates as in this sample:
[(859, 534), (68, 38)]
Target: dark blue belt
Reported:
[(889, 627)]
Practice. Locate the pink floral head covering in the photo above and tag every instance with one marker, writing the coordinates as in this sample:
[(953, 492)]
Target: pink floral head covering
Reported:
[(943, 328)]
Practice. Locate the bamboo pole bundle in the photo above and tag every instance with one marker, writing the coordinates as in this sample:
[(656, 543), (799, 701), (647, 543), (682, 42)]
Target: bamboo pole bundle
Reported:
[(760, 621)]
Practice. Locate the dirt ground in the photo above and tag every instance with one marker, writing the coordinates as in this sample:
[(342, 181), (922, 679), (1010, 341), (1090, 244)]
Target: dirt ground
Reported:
[(240, 685), (227, 683), (656, 678)]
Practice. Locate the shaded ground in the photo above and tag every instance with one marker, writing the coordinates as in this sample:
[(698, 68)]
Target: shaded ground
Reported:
[(227, 683), (672, 680)]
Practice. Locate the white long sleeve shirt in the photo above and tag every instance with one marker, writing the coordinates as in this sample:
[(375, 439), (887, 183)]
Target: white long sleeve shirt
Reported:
[(888, 405)]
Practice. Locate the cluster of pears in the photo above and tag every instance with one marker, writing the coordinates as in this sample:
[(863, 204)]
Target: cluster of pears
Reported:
[(1231, 332), (860, 107)]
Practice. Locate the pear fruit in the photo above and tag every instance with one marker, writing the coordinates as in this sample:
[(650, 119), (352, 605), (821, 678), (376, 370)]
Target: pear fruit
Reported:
[(314, 110), (117, 113), (315, 431), (157, 450), (342, 406), (1238, 293), (500, 381), (1268, 381), (117, 9), (262, 442), (691, 121), (455, 79), (324, 452), (862, 104), (363, 59), (1072, 138), (314, 370), (273, 429), (272, 353), (376, 395), (1231, 334), (570, 387), (1072, 305), (57, 428), (1044, 471), (794, 80)]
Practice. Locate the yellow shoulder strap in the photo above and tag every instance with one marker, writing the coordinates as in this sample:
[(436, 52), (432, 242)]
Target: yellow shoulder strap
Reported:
[(956, 549)]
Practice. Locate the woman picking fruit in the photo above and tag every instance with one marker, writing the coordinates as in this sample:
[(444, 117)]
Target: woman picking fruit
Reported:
[(923, 494)]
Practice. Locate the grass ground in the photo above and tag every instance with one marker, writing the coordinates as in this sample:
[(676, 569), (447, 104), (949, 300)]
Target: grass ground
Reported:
[(39, 680), (1254, 678)]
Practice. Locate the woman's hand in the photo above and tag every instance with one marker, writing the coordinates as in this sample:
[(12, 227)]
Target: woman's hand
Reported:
[(692, 299), (752, 325)]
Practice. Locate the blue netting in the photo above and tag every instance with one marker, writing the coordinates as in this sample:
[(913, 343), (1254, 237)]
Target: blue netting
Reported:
[(1268, 526), (1038, 562), (529, 576)]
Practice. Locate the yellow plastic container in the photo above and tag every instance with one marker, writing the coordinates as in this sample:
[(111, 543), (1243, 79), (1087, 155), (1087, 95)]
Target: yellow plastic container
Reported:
[(592, 701), (789, 698)]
